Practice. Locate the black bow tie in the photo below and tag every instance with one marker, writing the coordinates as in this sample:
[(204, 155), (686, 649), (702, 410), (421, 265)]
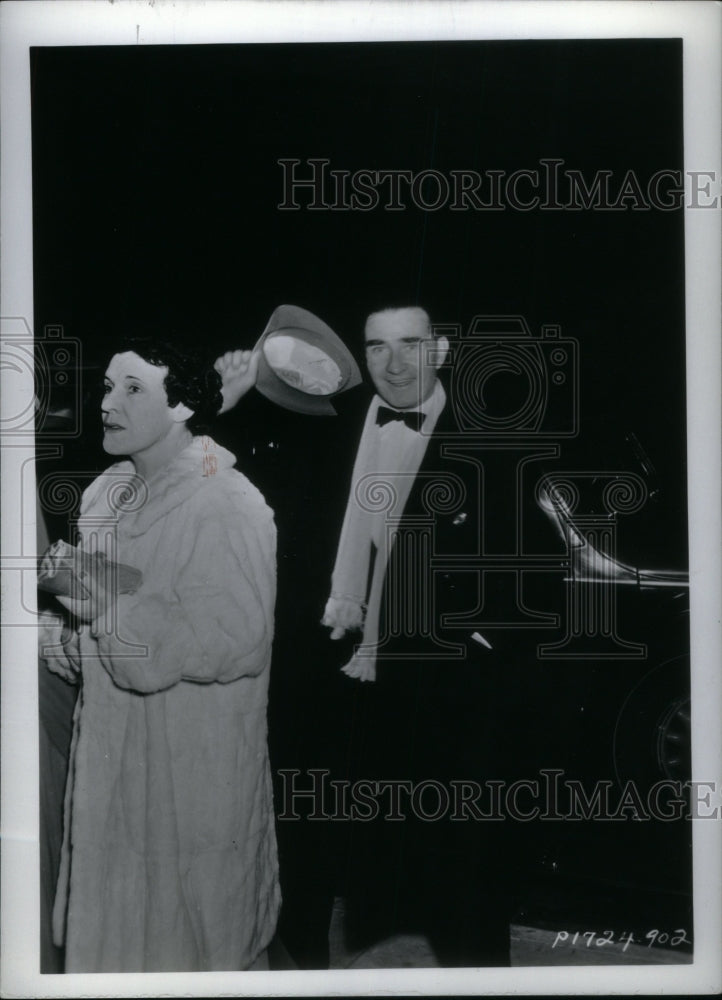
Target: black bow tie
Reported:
[(412, 418)]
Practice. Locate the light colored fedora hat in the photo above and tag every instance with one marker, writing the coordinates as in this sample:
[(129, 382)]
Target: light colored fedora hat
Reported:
[(303, 362)]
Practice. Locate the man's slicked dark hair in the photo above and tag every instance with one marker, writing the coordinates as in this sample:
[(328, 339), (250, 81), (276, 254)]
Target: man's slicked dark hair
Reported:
[(406, 308), (189, 380)]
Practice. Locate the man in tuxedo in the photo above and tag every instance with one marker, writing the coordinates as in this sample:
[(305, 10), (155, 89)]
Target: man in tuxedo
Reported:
[(417, 701), (428, 715)]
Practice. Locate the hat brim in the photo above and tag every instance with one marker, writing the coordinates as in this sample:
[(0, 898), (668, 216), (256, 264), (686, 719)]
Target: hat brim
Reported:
[(293, 321)]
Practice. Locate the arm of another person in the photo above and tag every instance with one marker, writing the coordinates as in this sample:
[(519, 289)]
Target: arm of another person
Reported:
[(59, 646), (216, 624)]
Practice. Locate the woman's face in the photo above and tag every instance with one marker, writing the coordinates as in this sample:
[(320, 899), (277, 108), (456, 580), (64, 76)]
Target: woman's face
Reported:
[(136, 414)]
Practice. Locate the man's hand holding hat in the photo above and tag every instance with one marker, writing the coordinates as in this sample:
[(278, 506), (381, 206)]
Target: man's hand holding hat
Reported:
[(298, 363), (238, 370)]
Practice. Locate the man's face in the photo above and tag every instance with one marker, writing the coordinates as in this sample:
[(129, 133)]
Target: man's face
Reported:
[(135, 409), (399, 356)]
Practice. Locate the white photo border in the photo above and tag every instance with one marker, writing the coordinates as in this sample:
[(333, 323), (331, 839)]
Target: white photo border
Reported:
[(132, 22)]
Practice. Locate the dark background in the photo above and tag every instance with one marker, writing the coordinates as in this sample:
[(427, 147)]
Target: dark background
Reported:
[(156, 186)]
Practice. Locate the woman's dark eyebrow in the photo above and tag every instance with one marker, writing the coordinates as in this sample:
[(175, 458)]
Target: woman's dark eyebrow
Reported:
[(135, 378)]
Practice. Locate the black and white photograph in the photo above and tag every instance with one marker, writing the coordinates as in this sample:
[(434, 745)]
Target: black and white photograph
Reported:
[(361, 531)]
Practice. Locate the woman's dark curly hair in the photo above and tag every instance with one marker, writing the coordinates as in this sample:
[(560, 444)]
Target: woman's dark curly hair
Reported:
[(189, 380)]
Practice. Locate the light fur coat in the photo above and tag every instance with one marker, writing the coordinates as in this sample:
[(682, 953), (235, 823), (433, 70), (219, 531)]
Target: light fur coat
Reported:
[(169, 857)]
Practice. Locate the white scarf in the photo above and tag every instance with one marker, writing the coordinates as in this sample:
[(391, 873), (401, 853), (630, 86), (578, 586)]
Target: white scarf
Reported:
[(386, 465)]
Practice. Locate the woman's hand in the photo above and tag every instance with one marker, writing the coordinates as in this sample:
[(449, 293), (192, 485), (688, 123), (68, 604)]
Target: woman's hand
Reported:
[(100, 599), (239, 370)]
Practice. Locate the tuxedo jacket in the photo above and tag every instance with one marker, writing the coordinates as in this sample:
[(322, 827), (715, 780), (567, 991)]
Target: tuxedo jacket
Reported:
[(442, 705), (433, 576)]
